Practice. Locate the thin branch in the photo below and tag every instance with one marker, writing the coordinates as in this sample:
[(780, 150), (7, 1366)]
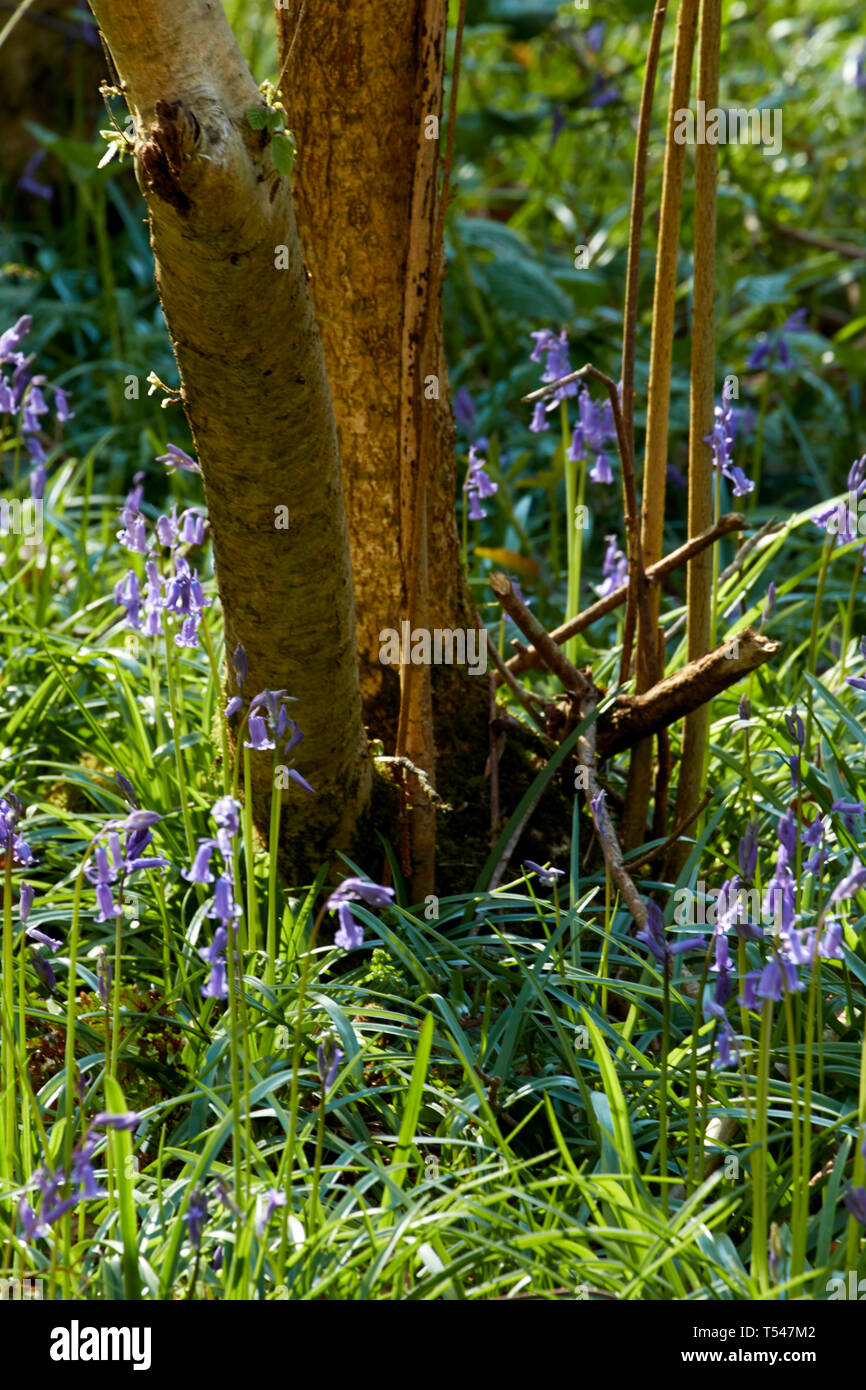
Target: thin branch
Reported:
[(610, 845), (525, 697), (553, 657), (527, 658), (633, 718)]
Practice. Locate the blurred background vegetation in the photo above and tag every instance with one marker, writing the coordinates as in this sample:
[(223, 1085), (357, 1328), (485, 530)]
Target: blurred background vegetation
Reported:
[(545, 137)]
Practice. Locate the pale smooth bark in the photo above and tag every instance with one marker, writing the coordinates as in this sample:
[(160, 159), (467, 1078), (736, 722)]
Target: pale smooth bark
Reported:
[(255, 392)]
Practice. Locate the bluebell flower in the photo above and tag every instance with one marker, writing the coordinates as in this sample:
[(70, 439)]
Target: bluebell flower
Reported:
[(167, 528), (795, 726), (539, 420), (748, 850), (464, 410), (774, 347), (42, 965), (224, 906), (852, 883), (549, 877), (258, 731), (133, 533), (216, 985), (128, 1120), (195, 1216), (722, 442), (855, 1201), (301, 781), (614, 569), (200, 871), (127, 595), (350, 934), (654, 936), (328, 1059), (175, 457), (266, 1205), (849, 811), (241, 665)]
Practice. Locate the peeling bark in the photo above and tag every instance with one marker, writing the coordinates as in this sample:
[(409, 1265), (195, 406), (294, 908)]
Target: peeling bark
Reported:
[(357, 101), (254, 390)]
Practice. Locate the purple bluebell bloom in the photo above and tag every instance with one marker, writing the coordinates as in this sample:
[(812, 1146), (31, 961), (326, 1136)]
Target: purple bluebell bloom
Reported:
[(25, 901), (796, 728), (549, 877), (748, 850), (654, 936), (167, 528), (175, 457), (195, 1216), (464, 410), (128, 1120), (301, 781), (28, 183), (849, 811), (328, 1059), (855, 1201), (200, 870), (266, 1206), (241, 665), (614, 569), (851, 884), (34, 934), (722, 443), (42, 965)]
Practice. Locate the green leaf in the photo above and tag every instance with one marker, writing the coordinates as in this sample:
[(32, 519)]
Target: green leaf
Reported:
[(283, 150), (257, 117), (412, 1108), (122, 1143)]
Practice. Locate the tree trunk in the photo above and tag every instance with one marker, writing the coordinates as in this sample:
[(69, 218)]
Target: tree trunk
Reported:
[(355, 91), (363, 88), (232, 284)]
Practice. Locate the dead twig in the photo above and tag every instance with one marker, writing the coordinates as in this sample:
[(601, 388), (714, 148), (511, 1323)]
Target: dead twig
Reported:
[(527, 658)]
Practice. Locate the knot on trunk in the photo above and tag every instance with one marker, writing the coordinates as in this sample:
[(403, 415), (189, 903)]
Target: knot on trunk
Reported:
[(172, 140)]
